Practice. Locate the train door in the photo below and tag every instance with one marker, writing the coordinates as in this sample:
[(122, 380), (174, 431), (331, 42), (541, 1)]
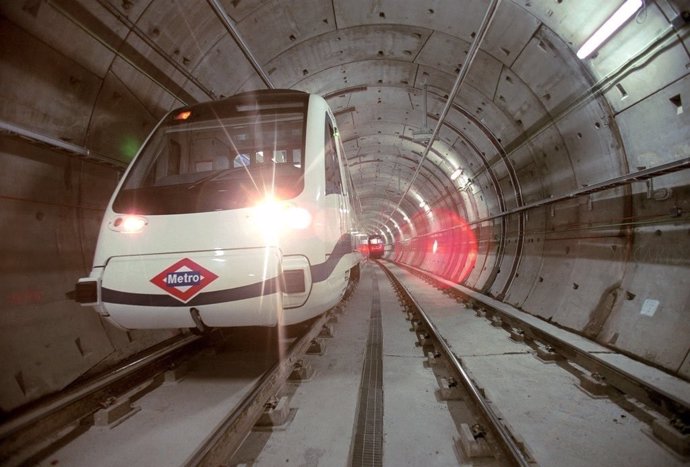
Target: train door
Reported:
[(334, 179), (349, 214)]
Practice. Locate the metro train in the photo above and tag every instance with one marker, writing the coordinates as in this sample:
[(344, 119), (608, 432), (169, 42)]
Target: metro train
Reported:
[(376, 246), (237, 212)]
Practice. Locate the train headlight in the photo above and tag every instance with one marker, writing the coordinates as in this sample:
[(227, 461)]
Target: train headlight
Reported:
[(272, 214), (128, 224)]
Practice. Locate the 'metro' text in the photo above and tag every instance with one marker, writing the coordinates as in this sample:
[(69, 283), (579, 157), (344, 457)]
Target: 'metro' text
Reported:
[(182, 278)]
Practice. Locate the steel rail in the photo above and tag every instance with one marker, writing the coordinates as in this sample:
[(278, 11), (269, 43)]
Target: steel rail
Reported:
[(24, 420), (502, 433)]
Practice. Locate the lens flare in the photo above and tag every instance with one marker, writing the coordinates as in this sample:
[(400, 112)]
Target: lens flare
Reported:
[(129, 147), (273, 215), (449, 251)]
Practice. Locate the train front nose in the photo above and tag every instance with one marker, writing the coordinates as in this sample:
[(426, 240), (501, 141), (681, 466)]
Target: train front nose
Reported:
[(219, 287)]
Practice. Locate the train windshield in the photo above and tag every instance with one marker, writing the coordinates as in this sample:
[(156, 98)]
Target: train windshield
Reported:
[(376, 240), (221, 155)]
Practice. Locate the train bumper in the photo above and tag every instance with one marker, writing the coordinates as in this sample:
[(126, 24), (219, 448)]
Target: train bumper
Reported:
[(221, 287)]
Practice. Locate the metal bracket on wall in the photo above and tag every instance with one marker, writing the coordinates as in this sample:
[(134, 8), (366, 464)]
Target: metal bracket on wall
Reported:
[(657, 195)]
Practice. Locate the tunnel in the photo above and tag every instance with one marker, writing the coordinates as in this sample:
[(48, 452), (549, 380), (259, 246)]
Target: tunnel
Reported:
[(481, 146)]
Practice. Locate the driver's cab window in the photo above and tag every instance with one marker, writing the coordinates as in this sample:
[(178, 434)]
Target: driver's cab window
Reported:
[(333, 180)]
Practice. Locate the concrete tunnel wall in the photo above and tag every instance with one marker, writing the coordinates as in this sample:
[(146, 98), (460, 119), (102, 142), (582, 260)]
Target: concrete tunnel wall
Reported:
[(612, 265)]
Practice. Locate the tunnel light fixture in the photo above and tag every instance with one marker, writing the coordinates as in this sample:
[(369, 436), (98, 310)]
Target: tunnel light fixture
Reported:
[(395, 224), (611, 25), (455, 174)]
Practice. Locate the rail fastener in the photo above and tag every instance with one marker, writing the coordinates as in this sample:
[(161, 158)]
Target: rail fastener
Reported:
[(594, 385), (114, 412), (548, 354), (416, 326), (674, 433), (518, 335), (472, 441), (497, 322), (433, 359), (326, 331), (449, 389), (276, 411), (301, 371), (424, 340), (175, 373), (316, 347)]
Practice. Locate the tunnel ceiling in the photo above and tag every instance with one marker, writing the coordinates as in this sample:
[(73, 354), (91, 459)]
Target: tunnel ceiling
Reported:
[(526, 97)]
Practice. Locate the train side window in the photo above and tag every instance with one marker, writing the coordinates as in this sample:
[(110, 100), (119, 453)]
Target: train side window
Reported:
[(280, 156), (333, 181), (241, 160)]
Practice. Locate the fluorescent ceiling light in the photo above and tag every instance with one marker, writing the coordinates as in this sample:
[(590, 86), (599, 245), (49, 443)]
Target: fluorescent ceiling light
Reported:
[(611, 25), (455, 174)]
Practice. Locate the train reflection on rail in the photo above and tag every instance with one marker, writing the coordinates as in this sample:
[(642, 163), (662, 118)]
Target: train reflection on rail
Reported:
[(238, 212)]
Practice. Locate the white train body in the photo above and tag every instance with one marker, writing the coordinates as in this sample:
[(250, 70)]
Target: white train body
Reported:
[(234, 213)]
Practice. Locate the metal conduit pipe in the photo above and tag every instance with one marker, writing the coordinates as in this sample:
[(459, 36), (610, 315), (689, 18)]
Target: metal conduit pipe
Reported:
[(159, 50), (471, 54), (655, 46), (232, 29), (35, 137), (633, 177), (67, 12)]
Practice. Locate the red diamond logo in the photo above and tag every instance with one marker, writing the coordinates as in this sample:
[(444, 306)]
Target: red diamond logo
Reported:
[(184, 279)]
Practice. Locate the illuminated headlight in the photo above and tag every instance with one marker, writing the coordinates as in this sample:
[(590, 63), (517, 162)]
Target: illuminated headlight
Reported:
[(128, 224), (272, 214)]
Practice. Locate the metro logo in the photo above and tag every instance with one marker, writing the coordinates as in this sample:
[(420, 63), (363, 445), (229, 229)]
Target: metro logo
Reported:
[(181, 279), (184, 279)]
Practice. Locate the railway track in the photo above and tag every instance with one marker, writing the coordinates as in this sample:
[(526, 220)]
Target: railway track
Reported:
[(24, 436), (372, 402), (263, 399), (72, 429), (414, 376), (659, 403), (473, 436)]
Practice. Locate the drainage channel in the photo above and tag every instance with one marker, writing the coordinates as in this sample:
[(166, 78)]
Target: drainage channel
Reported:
[(367, 448)]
